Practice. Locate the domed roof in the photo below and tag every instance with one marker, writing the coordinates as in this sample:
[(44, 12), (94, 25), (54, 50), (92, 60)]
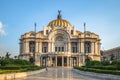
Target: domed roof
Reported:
[(59, 22)]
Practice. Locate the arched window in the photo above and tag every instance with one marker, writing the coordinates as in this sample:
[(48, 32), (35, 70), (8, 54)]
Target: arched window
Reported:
[(87, 47), (74, 47), (31, 46), (44, 47), (59, 44)]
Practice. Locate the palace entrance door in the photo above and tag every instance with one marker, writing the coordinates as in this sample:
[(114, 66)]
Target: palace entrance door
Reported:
[(59, 61)]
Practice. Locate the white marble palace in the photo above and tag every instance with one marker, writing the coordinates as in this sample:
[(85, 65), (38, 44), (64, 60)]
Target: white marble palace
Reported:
[(60, 44)]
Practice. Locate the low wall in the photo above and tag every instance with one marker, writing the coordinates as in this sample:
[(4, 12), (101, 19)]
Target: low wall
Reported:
[(12, 76)]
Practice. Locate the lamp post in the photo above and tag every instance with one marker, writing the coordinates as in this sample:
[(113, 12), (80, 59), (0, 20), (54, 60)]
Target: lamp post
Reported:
[(34, 46), (84, 54), (46, 61)]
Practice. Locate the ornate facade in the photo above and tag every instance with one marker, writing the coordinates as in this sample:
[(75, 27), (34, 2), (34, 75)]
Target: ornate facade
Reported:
[(60, 44)]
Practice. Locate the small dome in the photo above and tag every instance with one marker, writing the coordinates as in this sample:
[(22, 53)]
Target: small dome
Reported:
[(59, 22)]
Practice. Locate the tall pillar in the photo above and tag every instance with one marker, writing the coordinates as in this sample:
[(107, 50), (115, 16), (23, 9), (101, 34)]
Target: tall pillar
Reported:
[(92, 48), (67, 61), (51, 46), (96, 47), (51, 61), (70, 62), (36, 47), (82, 47), (24, 47), (48, 46), (40, 48), (56, 60), (41, 64), (78, 47), (62, 61), (79, 60), (37, 60), (66, 47), (69, 47)]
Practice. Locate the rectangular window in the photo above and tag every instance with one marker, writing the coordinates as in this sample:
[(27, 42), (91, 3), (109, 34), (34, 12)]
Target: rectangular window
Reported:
[(73, 49), (55, 49), (71, 31), (46, 31), (62, 48), (59, 49), (45, 50)]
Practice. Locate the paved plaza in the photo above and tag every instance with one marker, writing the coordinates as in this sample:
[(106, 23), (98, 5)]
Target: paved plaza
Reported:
[(59, 74)]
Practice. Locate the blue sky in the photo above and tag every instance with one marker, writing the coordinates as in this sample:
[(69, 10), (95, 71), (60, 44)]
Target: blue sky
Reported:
[(18, 16)]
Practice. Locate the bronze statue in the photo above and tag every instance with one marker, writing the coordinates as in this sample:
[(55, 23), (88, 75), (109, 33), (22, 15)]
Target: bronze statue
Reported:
[(59, 15)]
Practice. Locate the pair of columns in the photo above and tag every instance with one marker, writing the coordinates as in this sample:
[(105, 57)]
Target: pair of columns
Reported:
[(70, 62)]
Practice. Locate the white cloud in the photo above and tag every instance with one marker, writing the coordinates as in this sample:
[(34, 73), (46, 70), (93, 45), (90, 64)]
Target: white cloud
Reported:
[(2, 31)]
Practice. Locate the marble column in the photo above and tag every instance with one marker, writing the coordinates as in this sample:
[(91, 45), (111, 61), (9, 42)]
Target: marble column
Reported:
[(36, 47), (82, 47), (51, 60), (27, 47), (62, 61), (69, 47), (70, 61), (78, 61), (49, 47), (52, 47), (56, 61), (24, 44), (67, 61), (41, 62), (92, 48), (96, 48), (78, 47), (40, 48)]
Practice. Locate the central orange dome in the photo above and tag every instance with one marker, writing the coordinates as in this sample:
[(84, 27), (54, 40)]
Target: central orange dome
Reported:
[(59, 22)]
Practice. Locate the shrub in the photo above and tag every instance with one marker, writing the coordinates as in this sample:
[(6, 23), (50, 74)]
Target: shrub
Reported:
[(115, 62), (105, 63), (116, 72), (105, 67), (5, 62), (93, 63)]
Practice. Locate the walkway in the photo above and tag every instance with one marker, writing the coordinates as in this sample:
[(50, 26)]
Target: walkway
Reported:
[(59, 74)]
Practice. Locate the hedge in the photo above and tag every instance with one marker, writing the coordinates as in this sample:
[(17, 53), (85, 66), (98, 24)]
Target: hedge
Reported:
[(116, 72), (11, 71), (93, 63), (105, 67), (18, 67), (5, 62), (102, 63), (15, 69)]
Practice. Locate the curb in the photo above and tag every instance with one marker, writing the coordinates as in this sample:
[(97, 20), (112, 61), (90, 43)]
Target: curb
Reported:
[(12, 76)]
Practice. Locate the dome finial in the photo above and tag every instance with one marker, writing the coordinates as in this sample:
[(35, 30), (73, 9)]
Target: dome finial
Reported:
[(59, 15)]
